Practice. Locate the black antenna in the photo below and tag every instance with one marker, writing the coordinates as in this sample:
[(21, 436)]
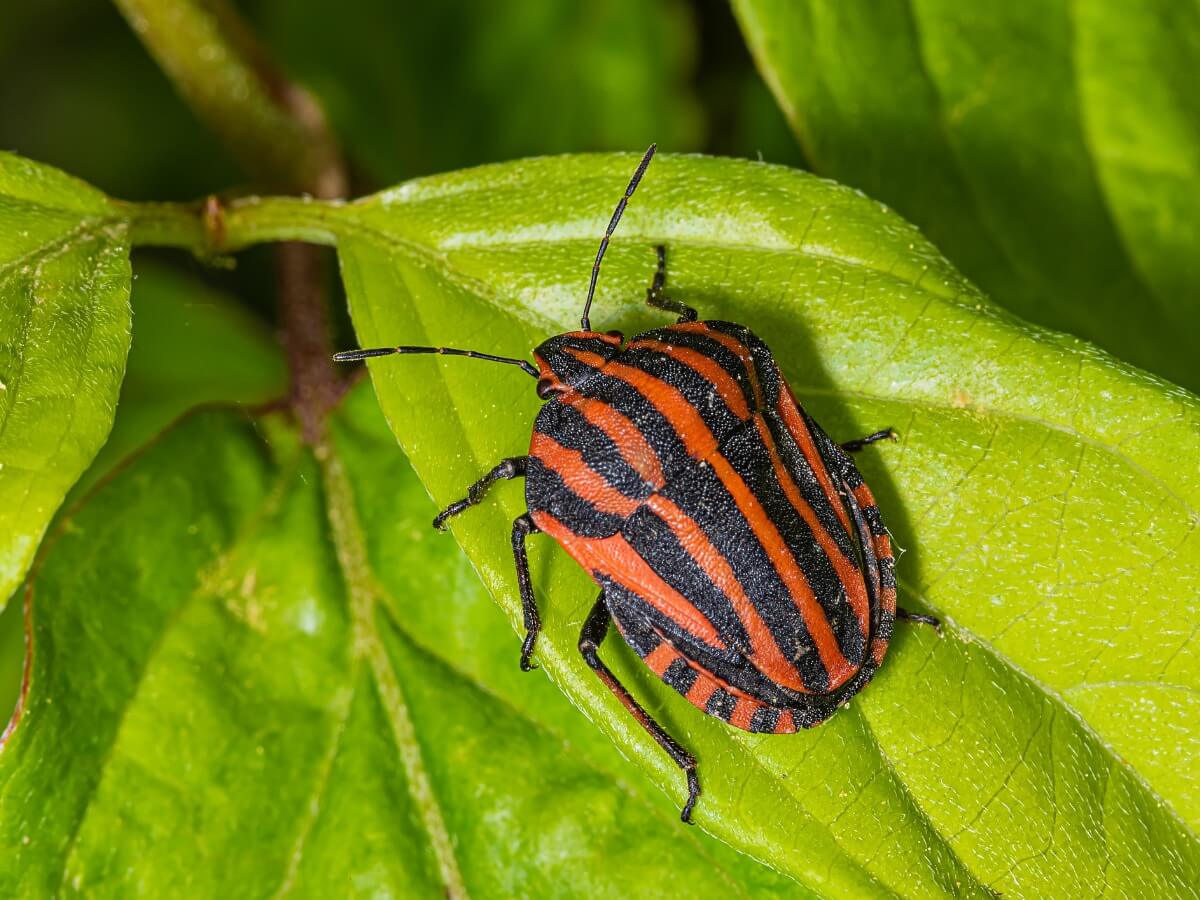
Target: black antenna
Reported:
[(612, 226), (354, 355)]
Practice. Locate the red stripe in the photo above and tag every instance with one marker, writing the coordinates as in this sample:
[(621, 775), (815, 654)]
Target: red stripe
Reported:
[(729, 342), (765, 653), (628, 439), (790, 412), (613, 558), (660, 658), (707, 368), (849, 574), (743, 712), (581, 478)]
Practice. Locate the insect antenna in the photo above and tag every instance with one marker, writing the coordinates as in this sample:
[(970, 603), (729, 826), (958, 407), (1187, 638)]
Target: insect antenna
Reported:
[(585, 321), (368, 353)]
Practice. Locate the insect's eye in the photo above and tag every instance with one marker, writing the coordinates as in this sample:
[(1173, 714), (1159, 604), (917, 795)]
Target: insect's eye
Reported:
[(545, 388)]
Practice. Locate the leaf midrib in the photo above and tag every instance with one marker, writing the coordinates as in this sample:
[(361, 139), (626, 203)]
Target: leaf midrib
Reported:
[(364, 593)]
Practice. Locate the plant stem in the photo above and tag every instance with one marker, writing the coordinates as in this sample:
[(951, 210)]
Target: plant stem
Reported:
[(272, 127), (279, 134), (213, 227)]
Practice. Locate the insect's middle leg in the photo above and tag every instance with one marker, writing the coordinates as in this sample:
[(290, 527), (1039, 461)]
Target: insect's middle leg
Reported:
[(590, 638), (655, 296), (524, 526), (513, 467)]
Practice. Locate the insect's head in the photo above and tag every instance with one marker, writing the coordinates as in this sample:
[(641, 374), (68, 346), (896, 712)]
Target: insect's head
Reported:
[(567, 360)]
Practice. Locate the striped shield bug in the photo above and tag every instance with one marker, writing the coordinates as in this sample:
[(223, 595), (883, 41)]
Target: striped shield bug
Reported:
[(736, 546)]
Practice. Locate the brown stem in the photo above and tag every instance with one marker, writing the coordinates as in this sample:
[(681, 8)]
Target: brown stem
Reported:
[(279, 133)]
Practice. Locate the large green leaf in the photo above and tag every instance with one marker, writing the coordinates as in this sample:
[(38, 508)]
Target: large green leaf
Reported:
[(1052, 150), (1046, 495), (256, 674), (64, 336), (193, 345)]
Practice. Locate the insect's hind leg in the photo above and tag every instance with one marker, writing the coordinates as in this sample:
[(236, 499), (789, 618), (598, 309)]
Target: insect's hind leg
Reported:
[(655, 296), (918, 618), (513, 467), (590, 638), (886, 435), (524, 526)]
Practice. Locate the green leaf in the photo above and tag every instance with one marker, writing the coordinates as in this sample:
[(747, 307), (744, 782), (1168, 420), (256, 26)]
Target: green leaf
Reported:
[(194, 346), (64, 336), (1052, 150), (227, 696), (1045, 494)]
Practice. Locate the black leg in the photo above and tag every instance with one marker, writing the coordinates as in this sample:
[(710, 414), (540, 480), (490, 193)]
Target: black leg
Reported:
[(522, 528), (886, 435), (655, 296), (507, 468), (590, 639), (918, 618)]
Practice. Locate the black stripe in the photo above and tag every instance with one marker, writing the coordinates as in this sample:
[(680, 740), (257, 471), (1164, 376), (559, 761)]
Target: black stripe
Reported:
[(750, 458), (546, 492), (806, 482), (642, 640), (836, 459), (568, 427), (769, 378), (710, 347), (887, 573), (680, 676), (698, 391), (874, 521), (721, 704), (654, 541), (569, 368), (764, 720), (702, 495)]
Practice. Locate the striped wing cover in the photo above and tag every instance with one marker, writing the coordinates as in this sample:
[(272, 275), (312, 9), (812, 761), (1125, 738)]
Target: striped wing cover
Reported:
[(685, 477)]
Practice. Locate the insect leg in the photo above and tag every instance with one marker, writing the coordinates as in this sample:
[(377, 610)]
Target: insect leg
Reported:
[(523, 527), (655, 296), (918, 618), (590, 638), (856, 445), (513, 467)]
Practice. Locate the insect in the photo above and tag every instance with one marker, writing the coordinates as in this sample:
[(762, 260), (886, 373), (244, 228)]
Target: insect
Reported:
[(736, 546)]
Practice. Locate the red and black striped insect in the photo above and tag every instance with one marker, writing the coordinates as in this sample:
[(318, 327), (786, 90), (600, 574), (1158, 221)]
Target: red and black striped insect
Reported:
[(735, 544)]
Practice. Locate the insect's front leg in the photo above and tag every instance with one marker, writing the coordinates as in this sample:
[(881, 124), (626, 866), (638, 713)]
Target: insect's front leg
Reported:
[(513, 467)]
